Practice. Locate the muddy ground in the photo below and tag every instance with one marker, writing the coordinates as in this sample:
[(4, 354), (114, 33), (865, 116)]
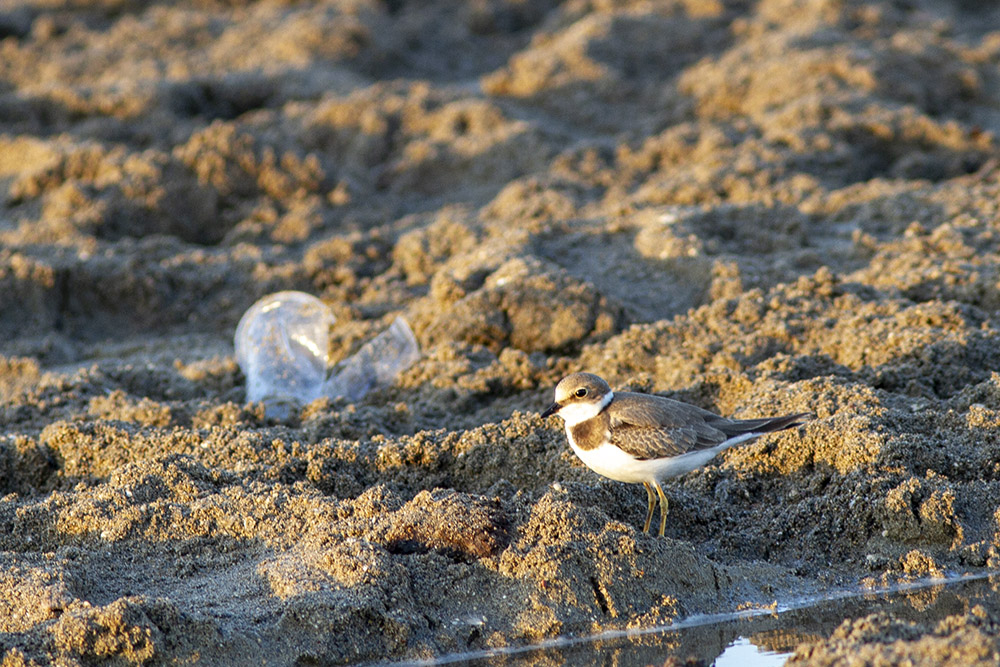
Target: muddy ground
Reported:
[(759, 207)]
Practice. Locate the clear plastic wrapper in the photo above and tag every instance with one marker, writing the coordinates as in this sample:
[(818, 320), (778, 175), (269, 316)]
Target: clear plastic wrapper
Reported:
[(377, 363), (281, 346)]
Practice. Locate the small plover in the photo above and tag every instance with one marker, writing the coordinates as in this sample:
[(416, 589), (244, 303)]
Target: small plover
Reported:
[(630, 437)]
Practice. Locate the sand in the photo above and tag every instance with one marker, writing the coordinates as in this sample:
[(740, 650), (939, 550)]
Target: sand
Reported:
[(760, 208)]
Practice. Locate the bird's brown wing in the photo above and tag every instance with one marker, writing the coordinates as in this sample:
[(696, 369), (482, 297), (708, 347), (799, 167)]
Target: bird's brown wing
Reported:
[(663, 427), (657, 429)]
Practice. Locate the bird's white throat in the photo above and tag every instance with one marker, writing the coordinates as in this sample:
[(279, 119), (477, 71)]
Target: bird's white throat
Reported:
[(574, 413)]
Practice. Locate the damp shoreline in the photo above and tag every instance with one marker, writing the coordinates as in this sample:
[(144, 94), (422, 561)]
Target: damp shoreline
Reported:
[(860, 601)]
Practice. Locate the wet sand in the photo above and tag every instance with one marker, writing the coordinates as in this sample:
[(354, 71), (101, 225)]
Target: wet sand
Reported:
[(760, 208)]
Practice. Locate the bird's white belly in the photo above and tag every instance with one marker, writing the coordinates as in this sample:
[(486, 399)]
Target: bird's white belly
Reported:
[(615, 464)]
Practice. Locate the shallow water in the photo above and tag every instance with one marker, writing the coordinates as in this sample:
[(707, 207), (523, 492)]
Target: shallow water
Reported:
[(752, 638)]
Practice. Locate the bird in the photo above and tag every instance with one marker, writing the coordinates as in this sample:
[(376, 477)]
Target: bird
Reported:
[(644, 438)]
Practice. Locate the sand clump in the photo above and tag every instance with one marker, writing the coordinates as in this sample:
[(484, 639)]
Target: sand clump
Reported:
[(968, 638), (760, 209)]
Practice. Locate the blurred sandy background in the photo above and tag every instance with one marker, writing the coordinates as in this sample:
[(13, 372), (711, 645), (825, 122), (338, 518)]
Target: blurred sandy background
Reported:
[(757, 206)]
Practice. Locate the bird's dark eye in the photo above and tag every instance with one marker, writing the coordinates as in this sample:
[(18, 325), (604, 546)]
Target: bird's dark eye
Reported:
[(581, 392)]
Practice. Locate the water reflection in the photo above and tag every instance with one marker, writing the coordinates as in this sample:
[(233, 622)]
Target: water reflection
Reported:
[(743, 652), (754, 638)]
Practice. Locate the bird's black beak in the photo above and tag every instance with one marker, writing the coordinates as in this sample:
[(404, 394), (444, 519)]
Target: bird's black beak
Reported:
[(551, 410)]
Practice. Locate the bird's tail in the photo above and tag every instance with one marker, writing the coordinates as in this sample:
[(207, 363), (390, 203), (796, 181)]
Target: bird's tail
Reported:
[(735, 427)]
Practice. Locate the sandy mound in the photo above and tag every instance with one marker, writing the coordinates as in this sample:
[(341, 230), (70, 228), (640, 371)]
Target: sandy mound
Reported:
[(972, 638), (759, 208)]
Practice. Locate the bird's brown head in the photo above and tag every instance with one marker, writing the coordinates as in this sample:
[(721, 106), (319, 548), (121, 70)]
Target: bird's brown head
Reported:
[(579, 397)]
